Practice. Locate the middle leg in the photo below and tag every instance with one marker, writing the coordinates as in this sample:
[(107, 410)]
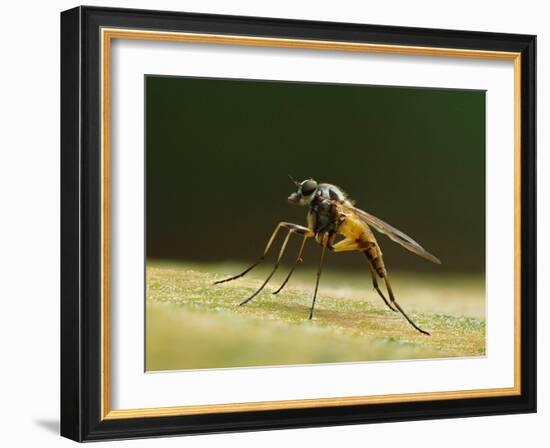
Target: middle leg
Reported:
[(319, 270)]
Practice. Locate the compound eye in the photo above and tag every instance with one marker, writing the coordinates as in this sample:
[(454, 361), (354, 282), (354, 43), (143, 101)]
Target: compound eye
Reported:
[(308, 187)]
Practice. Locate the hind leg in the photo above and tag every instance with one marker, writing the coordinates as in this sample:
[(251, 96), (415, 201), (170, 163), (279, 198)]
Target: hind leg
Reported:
[(392, 298), (373, 253), (348, 244), (375, 285)]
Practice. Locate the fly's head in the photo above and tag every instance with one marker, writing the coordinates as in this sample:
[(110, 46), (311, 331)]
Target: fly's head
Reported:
[(305, 192)]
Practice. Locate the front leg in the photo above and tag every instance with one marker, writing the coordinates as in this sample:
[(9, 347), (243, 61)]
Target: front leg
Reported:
[(297, 230), (282, 225)]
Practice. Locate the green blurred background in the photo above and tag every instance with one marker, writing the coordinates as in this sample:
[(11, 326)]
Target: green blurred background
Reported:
[(218, 152)]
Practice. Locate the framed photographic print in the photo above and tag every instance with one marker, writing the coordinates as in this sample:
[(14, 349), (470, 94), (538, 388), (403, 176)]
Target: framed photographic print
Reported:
[(272, 223)]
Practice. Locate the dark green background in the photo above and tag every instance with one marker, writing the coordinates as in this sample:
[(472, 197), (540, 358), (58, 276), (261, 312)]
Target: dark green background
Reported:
[(218, 153)]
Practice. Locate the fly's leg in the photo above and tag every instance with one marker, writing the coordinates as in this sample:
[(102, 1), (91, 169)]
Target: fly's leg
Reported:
[(377, 266), (392, 298), (281, 253), (375, 285), (319, 270), (347, 245), (374, 255), (286, 225), (298, 261)]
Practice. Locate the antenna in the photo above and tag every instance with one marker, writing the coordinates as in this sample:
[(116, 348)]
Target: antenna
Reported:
[(292, 179)]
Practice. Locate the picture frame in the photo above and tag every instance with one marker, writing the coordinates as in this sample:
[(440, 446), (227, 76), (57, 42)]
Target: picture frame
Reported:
[(87, 34)]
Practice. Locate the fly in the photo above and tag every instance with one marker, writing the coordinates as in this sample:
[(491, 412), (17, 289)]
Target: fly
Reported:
[(332, 214)]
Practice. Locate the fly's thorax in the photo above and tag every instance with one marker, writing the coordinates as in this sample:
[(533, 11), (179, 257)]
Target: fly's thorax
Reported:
[(331, 192)]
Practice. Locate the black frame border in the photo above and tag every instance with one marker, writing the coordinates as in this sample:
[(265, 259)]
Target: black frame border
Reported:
[(81, 225)]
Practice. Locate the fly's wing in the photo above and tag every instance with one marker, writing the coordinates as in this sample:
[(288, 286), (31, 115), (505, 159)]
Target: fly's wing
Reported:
[(395, 235)]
